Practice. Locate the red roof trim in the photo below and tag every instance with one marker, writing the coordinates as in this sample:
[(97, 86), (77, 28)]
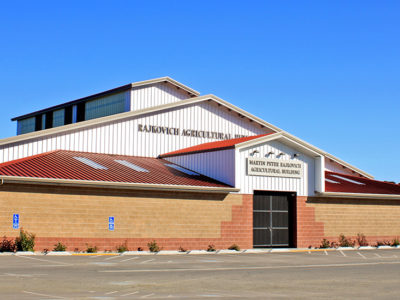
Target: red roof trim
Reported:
[(213, 146)]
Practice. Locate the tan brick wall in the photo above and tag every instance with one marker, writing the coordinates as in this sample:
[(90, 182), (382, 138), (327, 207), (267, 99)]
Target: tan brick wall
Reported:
[(328, 218), (78, 216)]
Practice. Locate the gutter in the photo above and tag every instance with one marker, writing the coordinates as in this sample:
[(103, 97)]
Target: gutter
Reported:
[(116, 185), (358, 195)]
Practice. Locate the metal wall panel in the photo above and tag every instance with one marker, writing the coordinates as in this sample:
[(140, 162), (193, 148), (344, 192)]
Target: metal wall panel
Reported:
[(304, 186), (335, 167), (154, 95), (219, 165), (122, 136)]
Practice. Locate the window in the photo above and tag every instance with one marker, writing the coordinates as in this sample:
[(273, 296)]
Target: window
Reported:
[(58, 117), (90, 163), (105, 106), (26, 125)]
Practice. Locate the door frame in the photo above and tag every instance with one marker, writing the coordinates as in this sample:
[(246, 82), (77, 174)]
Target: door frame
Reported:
[(292, 214)]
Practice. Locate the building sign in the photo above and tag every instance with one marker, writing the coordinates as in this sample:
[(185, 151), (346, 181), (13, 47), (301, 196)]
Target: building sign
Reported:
[(274, 167), (111, 223), (15, 221), (188, 132)]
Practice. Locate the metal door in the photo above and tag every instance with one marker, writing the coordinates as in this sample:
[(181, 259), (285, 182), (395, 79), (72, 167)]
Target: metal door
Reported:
[(271, 220)]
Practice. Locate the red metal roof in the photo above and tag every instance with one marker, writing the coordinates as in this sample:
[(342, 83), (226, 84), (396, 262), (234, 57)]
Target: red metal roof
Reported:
[(213, 146), (342, 183), (61, 164)]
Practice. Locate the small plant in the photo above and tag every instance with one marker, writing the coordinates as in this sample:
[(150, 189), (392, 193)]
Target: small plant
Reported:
[(25, 241), (395, 242), (361, 240), (122, 248), (153, 246), (234, 247), (325, 244), (91, 249), (345, 242), (383, 243), (45, 251), (181, 249), (139, 249), (59, 247), (76, 250), (211, 248), (7, 245)]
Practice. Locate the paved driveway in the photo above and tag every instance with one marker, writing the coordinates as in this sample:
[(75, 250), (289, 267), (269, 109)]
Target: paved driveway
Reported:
[(335, 274)]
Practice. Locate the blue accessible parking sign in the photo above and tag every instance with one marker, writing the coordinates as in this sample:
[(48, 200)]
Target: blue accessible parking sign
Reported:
[(110, 223), (15, 221)]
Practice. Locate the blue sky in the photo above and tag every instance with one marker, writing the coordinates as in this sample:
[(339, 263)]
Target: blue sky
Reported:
[(327, 72)]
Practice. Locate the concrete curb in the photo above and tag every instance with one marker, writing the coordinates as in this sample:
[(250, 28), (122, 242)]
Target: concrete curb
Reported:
[(25, 253), (385, 247), (138, 253), (58, 253), (366, 248), (345, 248), (228, 252)]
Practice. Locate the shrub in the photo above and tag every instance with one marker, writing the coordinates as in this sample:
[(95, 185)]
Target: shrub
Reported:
[(234, 247), (122, 248), (153, 246), (139, 249), (345, 242), (361, 240), (59, 247), (211, 248), (25, 241), (325, 244), (383, 243), (91, 249), (7, 245), (181, 249), (395, 242)]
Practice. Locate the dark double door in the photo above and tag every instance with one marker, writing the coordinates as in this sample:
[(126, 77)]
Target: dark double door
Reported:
[(273, 219)]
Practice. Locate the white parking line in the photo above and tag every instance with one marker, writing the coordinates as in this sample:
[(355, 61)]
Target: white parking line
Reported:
[(129, 259), (133, 293), (146, 261), (109, 293), (253, 268), (43, 295), (342, 253), (363, 256), (48, 261), (376, 254), (146, 296), (112, 257), (326, 252)]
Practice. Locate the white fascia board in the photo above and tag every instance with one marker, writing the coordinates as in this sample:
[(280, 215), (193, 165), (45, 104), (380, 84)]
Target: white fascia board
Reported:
[(166, 79), (358, 195), (114, 185)]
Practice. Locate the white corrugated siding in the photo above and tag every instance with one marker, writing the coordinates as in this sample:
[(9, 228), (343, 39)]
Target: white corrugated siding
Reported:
[(219, 165), (335, 167), (122, 136), (156, 94), (303, 186)]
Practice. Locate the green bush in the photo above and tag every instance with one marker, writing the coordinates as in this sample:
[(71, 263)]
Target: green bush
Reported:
[(383, 243), (361, 240), (25, 241), (234, 247), (345, 242), (122, 248), (325, 244), (211, 248), (395, 242), (153, 246), (91, 249), (7, 245), (59, 247), (181, 249)]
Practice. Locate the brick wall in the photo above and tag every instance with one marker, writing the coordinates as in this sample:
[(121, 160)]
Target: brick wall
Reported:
[(77, 217), (320, 218)]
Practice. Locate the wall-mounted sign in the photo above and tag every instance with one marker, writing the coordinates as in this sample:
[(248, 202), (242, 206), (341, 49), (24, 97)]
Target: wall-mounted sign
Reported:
[(15, 221), (274, 167), (111, 223), (188, 132)]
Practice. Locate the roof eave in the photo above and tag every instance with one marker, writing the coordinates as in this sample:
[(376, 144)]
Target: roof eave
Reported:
[(358, 195), (115, 185)]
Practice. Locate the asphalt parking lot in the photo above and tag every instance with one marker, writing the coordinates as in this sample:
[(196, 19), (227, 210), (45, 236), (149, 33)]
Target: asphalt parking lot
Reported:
[(304, 275)]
